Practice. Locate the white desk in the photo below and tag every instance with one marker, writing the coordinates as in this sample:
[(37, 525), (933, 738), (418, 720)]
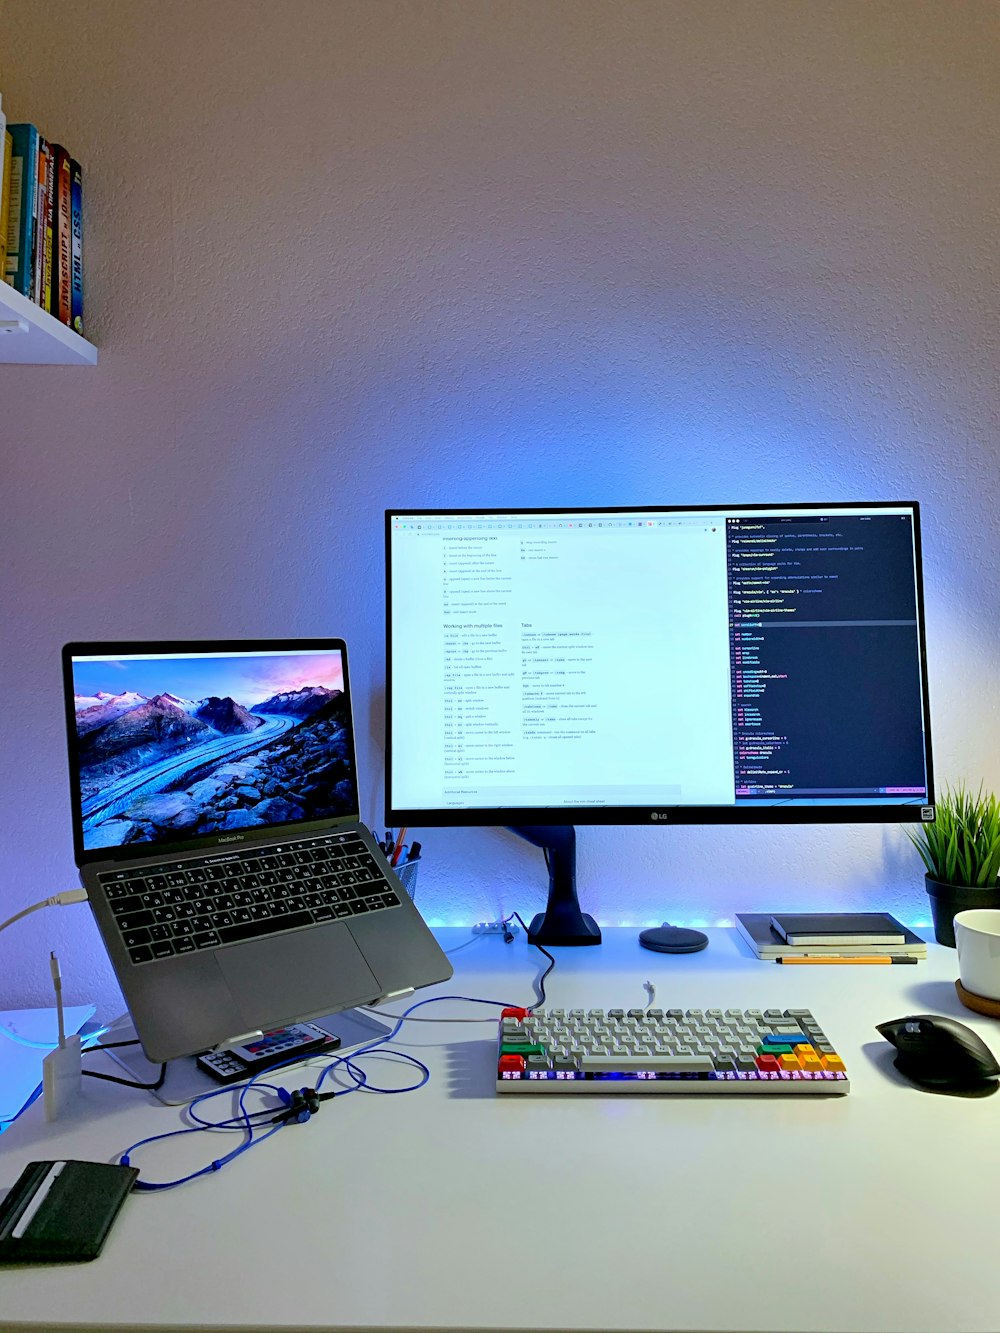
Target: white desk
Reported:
[(453, 1208)]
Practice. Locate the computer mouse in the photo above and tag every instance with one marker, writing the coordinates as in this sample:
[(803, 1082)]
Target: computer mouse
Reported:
[(942, 1055)]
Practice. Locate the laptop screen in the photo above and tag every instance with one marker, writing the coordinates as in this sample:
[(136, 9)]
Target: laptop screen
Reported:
[(174, 746)]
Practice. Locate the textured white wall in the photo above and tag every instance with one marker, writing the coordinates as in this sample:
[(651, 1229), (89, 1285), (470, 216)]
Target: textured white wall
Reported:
[(344, 255)]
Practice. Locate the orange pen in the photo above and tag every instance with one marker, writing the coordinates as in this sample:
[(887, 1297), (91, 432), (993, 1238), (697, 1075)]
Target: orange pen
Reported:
[(880, 960)]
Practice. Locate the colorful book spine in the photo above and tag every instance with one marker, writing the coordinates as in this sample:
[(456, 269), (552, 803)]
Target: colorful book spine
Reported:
[(45, 300), (23, 175), (62, 240), (8, 156), (4, 191), (38, 249), (76, 262)]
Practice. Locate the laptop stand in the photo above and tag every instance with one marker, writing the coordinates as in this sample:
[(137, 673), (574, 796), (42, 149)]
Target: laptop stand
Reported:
[(185, 1081)]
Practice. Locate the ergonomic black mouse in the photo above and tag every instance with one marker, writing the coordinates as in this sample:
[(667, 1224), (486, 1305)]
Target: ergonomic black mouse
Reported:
[(942, 1055)]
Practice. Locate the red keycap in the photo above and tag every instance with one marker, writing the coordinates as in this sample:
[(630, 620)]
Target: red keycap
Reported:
[(511, 1064), (768, 1063)]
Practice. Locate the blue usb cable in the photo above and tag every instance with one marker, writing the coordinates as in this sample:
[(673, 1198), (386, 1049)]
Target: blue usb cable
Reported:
[(293, 1107)]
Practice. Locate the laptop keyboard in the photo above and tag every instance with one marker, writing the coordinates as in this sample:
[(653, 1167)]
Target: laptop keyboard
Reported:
[(182, 906)]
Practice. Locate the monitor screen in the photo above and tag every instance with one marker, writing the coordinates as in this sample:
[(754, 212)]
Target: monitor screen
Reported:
[(169, 746), (611, 665)]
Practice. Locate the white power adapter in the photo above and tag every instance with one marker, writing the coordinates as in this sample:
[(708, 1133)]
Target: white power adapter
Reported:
[(61, 1073), (62, 1068)]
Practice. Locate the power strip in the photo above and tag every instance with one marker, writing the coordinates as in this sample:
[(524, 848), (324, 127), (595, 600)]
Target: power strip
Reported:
[(494, 928)]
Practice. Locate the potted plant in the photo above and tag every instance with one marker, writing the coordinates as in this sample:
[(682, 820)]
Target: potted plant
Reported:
[(961, 851)]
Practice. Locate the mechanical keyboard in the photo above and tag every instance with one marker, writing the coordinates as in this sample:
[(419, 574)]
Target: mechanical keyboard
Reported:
[(182, 906), (724, 1051)]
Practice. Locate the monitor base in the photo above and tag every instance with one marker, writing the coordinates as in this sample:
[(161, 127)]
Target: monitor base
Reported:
[(562, 922), (584, 930)]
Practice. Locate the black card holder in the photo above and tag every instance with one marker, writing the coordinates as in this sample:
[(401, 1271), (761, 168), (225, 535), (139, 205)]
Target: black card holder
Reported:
[(61, 1212)]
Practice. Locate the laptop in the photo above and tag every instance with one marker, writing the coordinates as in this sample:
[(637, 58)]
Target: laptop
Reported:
[(216, 829)]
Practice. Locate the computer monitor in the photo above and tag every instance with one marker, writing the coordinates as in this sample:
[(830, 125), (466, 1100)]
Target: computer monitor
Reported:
[(673, 665)]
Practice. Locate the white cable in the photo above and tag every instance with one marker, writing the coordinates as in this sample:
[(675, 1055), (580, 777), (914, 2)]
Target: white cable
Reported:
[(57, 983), (57, 900), (473, 940)]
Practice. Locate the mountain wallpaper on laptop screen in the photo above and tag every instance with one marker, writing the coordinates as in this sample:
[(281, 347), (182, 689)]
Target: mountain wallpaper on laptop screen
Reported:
[(176, 748)]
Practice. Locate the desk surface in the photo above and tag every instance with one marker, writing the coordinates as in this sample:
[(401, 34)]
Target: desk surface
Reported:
[(453, 1208)]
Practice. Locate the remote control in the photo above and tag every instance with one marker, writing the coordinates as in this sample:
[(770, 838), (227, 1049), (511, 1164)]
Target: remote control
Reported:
[(273, 1048)]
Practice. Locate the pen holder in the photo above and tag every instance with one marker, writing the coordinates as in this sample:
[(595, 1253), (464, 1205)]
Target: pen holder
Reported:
[(407, 872)]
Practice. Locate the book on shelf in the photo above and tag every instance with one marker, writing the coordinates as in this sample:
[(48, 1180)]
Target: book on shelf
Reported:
[(48, 226), (756, 929), (21, 234), (40, 205), (62, 239), (4, 189), (76, 247), (45, 231), (837, 928), (5, 168)]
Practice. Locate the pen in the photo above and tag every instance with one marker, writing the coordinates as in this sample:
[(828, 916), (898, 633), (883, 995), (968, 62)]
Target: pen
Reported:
[(842, 958), (414, 852), (397, 849)]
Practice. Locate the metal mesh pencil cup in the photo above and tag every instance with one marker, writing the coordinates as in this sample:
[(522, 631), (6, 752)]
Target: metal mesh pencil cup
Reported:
[(407, 872)]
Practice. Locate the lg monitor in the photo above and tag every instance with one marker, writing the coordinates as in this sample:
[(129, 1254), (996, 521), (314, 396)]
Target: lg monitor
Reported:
[(674, 665)]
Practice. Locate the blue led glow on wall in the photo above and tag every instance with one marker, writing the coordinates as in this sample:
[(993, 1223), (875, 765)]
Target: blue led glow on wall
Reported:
[(533, 264)]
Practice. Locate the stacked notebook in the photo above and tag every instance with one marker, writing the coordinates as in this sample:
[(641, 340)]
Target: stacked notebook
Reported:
[(832, 934)]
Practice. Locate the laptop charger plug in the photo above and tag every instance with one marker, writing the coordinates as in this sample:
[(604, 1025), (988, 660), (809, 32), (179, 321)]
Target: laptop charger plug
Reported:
[(57, 900)]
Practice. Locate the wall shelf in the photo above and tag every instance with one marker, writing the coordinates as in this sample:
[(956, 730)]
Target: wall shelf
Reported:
[(44, 341)]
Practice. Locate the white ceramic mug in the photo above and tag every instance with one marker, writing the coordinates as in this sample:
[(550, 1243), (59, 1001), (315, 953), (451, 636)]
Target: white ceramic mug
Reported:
[(977, 938)]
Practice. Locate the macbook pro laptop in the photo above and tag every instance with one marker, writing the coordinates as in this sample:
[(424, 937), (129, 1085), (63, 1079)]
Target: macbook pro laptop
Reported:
[(216, 828)]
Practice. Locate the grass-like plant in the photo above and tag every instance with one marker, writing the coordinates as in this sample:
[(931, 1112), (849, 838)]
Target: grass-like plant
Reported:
[(962, 846)]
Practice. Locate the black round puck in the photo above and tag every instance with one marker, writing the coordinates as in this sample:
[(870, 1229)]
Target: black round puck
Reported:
[(672, 939)]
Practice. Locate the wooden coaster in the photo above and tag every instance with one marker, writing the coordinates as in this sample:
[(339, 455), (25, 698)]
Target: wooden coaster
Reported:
[(978, 1002)]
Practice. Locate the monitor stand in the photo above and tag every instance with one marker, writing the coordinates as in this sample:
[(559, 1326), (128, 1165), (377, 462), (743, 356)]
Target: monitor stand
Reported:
[(185, 1081), (562, 922)]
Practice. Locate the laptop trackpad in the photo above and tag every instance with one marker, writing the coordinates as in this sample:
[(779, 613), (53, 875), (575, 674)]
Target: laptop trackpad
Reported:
[(285, 977)]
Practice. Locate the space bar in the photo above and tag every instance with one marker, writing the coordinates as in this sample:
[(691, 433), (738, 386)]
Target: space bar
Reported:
[(249, 929), (676, 1064)]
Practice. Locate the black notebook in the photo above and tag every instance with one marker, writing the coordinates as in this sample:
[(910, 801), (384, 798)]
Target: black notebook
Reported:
[(838, 928)]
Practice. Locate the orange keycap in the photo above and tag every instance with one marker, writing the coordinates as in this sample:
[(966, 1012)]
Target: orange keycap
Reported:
[(811, 1061), (834, 1064), (789, 1060)]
